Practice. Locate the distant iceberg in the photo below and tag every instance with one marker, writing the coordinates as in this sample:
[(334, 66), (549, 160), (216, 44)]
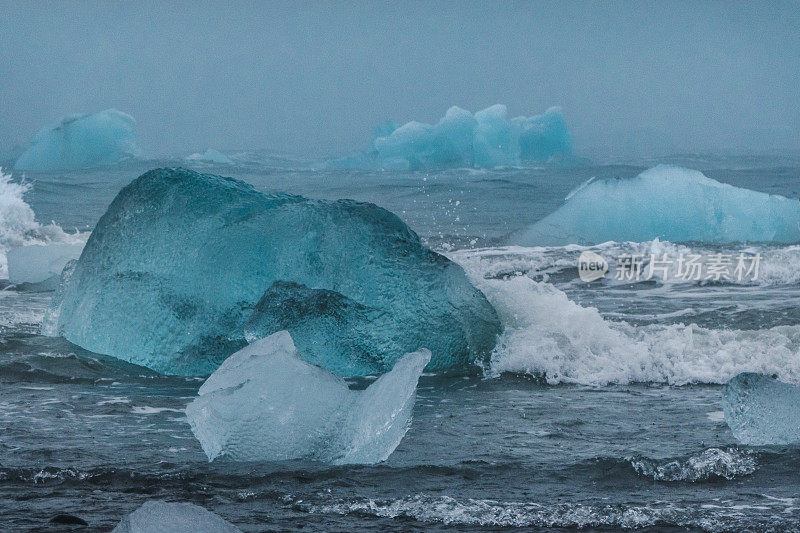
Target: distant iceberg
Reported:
[(264, 403), (760, 410), (486, 139), (81, 141), (184, 268), (173, 517), (211, 156), (668, 203)]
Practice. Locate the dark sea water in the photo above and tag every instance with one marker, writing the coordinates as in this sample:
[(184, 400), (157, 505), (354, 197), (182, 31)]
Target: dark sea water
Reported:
[(601, 408)]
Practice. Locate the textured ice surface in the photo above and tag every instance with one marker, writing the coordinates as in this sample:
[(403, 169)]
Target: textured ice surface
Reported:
[(166, 517), (486, 139), (39, 262), (81, 141), (264, 403), (669, 203), (211, 156), (183, 267), (761, 410)]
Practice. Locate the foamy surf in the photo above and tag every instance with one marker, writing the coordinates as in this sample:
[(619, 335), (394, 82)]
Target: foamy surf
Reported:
[(19, 227), (547, 335)]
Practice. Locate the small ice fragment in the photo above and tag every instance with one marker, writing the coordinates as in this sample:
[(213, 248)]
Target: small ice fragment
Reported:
[(173, 517), (760, 410), (264, 403)]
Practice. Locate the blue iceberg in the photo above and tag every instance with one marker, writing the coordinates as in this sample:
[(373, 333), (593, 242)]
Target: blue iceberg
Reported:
[(761, 410), (264, 403), (486, 139), (668, 203), (81, 141), (184, 268), (173, 517)]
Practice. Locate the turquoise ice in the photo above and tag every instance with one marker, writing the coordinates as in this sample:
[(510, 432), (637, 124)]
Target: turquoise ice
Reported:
[(486, 139), (184, 268), (761, 410), (81, 141), (668, 203), (264, 403)]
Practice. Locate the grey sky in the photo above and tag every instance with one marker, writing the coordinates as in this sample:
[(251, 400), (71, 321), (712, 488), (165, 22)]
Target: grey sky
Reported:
[(633, 78)]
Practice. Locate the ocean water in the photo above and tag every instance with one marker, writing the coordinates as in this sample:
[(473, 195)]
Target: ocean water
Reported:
[(601, 407)]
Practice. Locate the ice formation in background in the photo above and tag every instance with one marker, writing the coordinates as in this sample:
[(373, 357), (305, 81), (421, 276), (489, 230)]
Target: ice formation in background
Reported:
[(211, 156), (184, 267), (19, 228), (669, 203), (81, 141), (486, 139), (171, 517), (760, 410), (547, 335), (264, 403)]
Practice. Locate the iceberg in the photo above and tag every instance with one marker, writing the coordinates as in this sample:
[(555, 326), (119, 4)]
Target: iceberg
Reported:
[(486, 139), (761, 410), (184, 268), (668, 203), (81, 141), (211, 156), (264, 403), (173, 517)]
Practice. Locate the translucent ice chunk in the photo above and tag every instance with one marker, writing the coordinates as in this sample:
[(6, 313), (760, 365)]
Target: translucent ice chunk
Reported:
[(761, 410), (264, 403), (169, 517), (184, 268)]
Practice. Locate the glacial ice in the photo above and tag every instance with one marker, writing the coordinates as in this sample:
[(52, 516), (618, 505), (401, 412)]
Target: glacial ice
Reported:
[(173, 517), (761, 410), (669, 203), (184, 268), (211, 156), (264, 403), (486, 139), (81, 141)]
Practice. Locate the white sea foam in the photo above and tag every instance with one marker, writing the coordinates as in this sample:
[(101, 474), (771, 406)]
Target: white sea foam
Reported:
[(18, 225), (716, 516), (777, 265), (547, 335)]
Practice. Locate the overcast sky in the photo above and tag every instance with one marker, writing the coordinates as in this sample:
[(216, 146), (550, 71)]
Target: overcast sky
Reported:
[(633, 78)]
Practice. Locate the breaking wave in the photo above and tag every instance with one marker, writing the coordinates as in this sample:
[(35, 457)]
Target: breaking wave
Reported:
[(18, 225), (553, 338), (712, 463), (772, 514)]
